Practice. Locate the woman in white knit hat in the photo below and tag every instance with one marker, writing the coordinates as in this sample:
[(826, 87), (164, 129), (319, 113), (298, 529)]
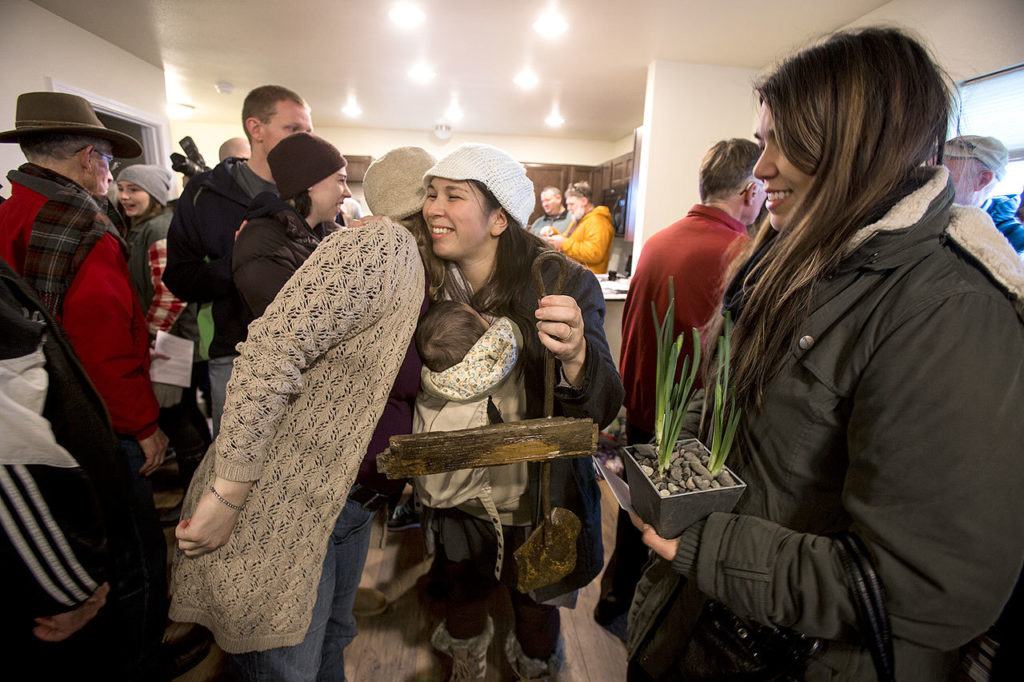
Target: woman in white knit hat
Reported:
[(478, 199)]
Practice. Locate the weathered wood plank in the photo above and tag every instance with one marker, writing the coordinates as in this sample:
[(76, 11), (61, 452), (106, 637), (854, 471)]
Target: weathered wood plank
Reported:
[(531, 440)]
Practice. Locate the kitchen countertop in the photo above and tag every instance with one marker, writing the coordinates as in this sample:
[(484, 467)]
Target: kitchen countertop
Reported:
[(613, 290)]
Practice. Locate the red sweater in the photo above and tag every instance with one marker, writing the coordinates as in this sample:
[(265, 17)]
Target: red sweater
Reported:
[(695, 251), (101, 316)]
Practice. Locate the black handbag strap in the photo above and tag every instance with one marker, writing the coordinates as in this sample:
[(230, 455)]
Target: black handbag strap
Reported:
[(869, 597)]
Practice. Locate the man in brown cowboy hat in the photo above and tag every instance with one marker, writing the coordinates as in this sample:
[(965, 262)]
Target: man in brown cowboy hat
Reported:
[(55, 235)]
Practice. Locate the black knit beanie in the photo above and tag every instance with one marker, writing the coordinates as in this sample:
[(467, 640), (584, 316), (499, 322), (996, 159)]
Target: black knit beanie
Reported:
[(300, 161)]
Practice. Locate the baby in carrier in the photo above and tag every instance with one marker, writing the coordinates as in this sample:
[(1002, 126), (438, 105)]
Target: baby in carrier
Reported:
[(469, 380)]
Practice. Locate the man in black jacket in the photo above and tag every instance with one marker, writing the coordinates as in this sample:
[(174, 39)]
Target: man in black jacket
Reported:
[(209, 213)]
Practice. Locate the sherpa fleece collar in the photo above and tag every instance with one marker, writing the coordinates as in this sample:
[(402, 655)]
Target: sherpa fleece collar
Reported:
[(971, 229), (491, 359)]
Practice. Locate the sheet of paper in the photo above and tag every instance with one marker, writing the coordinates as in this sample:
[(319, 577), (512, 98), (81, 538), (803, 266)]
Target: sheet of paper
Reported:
[(171, 362), (617, 486)]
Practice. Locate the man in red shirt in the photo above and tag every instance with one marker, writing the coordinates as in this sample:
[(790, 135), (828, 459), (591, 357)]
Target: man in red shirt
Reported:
[(57, 237), (695, 251)]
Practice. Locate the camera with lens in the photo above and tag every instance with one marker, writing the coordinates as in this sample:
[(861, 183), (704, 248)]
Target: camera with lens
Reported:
[(191, 163)]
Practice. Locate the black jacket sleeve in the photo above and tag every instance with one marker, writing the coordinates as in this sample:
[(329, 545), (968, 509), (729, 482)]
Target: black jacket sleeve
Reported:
[(53, 545), (191, 273), (600, 395), (262, 265)]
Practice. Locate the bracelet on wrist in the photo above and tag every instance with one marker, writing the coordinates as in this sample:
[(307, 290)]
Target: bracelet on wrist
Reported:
[(227, 503)]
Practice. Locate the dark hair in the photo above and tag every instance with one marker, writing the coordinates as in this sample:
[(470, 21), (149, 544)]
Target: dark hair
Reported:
[(510, 292), (727, 167), (302, 203), (261, 103), (446, 333), (580, 189), (154, 209), (860, 112)]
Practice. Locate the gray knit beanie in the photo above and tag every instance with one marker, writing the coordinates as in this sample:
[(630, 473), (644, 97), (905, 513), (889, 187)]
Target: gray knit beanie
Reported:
[(500, 173), (393, 184), (156, 180)]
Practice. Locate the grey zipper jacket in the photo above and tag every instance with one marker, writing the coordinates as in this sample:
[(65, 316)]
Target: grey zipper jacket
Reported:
[(897, 414)]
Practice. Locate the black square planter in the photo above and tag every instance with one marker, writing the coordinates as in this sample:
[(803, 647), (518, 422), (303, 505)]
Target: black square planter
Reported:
[(671, 515)]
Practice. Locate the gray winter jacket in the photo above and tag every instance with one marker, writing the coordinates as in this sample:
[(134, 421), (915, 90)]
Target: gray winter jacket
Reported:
[(897, 414)]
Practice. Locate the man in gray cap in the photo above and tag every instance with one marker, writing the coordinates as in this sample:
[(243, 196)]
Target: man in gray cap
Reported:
[(57, 237), (976, 164)]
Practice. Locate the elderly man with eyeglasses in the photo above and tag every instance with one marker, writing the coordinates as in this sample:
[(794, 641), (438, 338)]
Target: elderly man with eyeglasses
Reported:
[(55, 234)]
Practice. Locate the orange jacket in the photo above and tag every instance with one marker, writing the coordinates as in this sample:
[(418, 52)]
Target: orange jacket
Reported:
[(589, 239)]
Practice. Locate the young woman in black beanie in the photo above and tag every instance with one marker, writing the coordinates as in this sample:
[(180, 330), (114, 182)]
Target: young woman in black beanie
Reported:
[(281, 230)]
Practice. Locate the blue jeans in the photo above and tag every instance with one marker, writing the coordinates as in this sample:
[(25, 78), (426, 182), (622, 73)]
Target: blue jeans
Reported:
[(320, 655), (220, 374)]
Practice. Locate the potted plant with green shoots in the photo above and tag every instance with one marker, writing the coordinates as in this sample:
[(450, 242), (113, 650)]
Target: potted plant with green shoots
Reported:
[(673, 482)]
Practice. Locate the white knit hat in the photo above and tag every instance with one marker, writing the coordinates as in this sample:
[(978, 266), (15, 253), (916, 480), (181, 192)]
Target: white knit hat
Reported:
[(500, 173), (156, 180)]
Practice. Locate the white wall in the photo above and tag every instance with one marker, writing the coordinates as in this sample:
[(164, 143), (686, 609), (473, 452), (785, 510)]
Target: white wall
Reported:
[(967, 38), (376, 142), (37, 45), (687, 108)]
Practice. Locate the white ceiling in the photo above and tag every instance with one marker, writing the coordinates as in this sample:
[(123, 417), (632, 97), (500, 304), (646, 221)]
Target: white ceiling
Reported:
[(325, 49)]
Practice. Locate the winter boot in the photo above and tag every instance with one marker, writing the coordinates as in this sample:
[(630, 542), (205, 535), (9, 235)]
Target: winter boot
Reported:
[(527, 668), (469, 656)]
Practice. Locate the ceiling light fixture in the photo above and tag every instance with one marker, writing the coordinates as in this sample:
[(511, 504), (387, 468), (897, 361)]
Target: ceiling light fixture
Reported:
[(422, 73), (352, 108), (551, 24), (526, 79), (406, 15), (554, 119), (180, 110)]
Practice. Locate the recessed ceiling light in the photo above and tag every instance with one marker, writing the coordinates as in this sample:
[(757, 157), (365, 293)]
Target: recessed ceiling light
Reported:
[(526, 79), (180, 110), (352, 108), (453, 114), (422, 73), (554, 119), (224, 87), (406, 15), (551, 24)]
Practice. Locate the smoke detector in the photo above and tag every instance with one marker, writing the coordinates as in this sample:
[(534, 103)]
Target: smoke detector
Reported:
[(442, 131)]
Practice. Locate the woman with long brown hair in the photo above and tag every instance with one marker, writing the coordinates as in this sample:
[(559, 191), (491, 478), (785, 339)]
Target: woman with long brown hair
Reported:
[(879, 360)]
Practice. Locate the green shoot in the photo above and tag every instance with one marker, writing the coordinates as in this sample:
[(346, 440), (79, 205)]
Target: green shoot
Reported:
[(671, 397), (725, 416)]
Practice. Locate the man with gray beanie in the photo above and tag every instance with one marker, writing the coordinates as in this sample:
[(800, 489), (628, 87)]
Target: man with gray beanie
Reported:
[(976, 164)]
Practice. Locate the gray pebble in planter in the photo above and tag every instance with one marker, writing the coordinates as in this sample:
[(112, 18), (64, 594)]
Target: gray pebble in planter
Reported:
[(671, 514)]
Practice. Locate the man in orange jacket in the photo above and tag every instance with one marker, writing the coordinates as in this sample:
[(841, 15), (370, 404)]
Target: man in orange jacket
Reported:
[(589, 238)]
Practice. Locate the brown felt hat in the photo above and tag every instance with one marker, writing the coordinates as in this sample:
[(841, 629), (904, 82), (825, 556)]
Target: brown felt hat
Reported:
[(58, 112), (301, 160)]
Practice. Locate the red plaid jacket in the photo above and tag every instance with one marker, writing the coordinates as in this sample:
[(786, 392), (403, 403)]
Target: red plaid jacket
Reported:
[(55, 235)]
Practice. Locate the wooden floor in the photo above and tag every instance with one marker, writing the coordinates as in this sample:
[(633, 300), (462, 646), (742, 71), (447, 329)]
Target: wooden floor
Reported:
[(394, 646)]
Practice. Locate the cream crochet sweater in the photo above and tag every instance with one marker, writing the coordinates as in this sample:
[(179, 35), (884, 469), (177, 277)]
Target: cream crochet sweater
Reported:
[(304, 397)]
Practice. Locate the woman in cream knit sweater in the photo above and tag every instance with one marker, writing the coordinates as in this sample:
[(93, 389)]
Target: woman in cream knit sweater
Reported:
[(308, 387)]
